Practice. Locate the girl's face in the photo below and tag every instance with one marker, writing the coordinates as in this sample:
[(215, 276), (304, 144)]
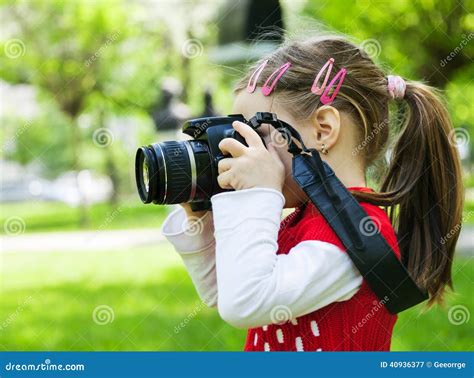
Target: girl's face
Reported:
[(248, 104)]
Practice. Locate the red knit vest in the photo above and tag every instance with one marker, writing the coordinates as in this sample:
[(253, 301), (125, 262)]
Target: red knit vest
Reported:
[(361, 323)]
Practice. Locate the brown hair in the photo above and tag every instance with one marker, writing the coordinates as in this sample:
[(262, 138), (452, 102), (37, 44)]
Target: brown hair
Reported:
[(421, 187)]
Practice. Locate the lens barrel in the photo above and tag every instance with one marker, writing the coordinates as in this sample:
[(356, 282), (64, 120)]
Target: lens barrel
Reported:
[(174, 172)]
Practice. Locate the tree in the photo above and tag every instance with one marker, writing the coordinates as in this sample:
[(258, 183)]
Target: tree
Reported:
[(415, 37), (431, 41), (78, 53)]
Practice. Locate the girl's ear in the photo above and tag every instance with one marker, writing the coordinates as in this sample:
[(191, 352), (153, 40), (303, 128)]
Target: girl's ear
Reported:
[(327, 125)]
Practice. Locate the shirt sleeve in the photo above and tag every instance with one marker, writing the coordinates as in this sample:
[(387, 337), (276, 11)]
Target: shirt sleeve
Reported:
[(194, 241), (256, 286)]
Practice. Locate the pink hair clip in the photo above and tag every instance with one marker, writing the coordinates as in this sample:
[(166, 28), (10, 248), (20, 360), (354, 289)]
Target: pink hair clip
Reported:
[(254, 78), (325, 99), (266, 89), (319, 90)]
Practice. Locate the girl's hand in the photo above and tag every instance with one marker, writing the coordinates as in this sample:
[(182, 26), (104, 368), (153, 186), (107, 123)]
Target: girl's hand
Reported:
[(252, 166), (192, 214)]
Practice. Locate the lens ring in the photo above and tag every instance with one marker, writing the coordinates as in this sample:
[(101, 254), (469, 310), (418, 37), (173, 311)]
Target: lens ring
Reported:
[(192, 162), (147, 189), (176, 162), (140, 159)]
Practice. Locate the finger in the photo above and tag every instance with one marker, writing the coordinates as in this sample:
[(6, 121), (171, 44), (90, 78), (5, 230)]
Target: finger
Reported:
[(271, 148), (249, 134), (276, 155), (232, 147), (224, 165), (224, 180), (273, 152)]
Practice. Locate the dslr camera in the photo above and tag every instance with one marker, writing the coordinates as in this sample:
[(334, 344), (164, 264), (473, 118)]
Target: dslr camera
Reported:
[(174, 172)]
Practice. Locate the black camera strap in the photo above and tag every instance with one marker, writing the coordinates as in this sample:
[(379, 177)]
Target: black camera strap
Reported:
[(369, 251)]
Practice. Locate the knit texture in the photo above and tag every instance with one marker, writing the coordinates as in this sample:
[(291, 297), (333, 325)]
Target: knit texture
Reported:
[(361, 323)]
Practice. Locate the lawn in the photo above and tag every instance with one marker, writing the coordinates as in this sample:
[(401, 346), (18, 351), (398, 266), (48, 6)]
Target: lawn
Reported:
[(55, 216), (48, 301)]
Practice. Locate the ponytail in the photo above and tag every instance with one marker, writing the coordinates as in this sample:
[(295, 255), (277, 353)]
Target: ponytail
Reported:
[(423, 189)]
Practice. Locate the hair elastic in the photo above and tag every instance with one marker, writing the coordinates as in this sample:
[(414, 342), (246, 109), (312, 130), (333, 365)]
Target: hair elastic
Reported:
[(396, 87), (325, 99), (267, 89), (319, 90), (254, 78)]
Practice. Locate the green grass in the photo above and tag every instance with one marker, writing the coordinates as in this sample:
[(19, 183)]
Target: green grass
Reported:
[(468, 213), (54, 216), (432, 330), (48, 300), (469, 181)]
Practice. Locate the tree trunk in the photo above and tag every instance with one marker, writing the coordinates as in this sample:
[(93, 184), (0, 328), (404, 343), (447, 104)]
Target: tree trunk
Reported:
[(110, 164), (113, 173), (83, 208)]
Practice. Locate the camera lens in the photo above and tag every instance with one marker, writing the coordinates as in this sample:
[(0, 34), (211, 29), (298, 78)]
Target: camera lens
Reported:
[(174, 172), (144, 163)]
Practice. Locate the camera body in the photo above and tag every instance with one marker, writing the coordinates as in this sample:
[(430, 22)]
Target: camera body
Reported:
[(173, 172)]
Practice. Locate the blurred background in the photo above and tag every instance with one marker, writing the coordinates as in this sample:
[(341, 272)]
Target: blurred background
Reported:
[(83, 83)]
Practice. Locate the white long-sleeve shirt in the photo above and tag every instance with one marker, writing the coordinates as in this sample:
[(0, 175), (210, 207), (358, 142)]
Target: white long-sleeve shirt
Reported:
[(231, 257)]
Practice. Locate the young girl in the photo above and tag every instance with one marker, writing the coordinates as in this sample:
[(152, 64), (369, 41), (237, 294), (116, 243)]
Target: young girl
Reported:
[(291, 283)]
